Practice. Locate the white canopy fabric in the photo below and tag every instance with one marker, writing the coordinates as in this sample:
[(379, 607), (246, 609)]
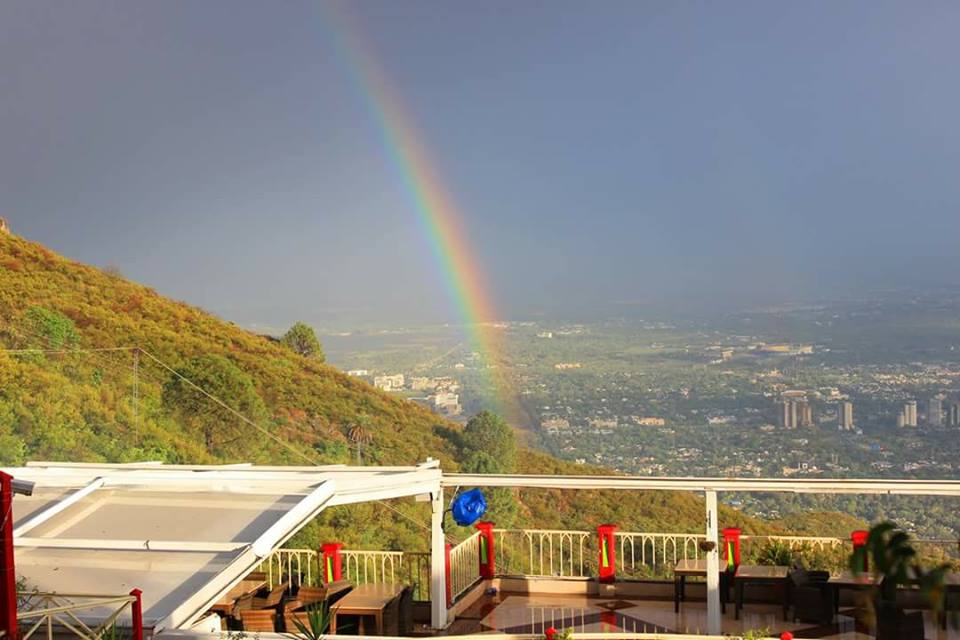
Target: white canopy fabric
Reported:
[(183, 535)]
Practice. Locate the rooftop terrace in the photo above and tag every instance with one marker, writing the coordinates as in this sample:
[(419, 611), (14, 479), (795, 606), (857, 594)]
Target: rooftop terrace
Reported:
[(196, 540)]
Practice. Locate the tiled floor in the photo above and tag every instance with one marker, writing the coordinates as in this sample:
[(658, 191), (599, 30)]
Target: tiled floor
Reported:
[(534, 613)]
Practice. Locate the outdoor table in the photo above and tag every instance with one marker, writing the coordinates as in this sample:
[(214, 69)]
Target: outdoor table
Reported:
[(245, 587), (951, 584), (367, 600), (846, 580), (757, 574), (696, 569)]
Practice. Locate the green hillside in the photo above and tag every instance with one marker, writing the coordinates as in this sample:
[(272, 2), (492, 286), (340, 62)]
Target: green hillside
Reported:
[(73, 387)]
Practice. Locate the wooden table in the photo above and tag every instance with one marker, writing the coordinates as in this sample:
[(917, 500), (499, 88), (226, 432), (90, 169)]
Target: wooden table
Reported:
[(367, 600), (951, 584), (846, 580), (758, 574), (694, 569)]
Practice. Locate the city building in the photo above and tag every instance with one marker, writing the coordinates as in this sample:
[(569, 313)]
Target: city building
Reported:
[(845, 416), (953, 415), (908, 415), (447, 403), (788, 414), (389, 383), (358, 373), (795, 410), (935, 411)]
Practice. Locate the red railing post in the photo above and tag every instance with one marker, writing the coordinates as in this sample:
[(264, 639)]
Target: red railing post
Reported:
[(331, 562), (8, 573), (731, 548), (446, 568), (859, 539), (136, 614), (607, 563), (488, 561)]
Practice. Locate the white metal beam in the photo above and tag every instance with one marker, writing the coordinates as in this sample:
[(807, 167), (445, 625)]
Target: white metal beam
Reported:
[(772, 485), (58, 507), (193, 607), (291, 522), (127, 545), (714, 621)]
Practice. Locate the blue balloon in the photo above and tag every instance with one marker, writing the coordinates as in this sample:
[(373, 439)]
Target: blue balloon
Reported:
[(468, 507)]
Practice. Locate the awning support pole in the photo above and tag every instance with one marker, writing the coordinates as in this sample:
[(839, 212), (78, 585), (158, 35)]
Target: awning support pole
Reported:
[(438, 554), (714, 621)]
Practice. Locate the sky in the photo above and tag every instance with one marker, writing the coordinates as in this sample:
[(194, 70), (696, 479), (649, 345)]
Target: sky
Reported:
[(606, 156)]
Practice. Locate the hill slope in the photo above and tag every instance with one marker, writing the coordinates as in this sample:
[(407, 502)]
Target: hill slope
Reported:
[(71, 393)]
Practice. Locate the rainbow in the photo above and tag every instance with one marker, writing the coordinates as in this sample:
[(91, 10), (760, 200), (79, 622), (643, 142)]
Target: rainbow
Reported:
[(438, 215)]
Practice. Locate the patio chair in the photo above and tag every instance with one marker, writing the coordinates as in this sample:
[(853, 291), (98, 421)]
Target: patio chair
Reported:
[(263, 620), (405, 613), (812, 596), (328, 593), (271, 601)]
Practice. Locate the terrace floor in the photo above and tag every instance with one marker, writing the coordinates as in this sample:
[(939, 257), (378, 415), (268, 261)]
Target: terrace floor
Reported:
[(532, 613)]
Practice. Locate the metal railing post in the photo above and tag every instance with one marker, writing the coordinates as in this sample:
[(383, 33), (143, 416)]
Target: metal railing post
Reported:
[(8, 574), (136, 613)]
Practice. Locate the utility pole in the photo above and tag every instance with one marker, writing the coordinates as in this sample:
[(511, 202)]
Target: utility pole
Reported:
[(136, 388)]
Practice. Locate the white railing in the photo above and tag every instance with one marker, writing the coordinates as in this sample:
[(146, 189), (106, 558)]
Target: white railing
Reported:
[(302, 567), (643, 555), (51, 613), (799, 543), (292, 566), (464, 565), (371, 567), (557, 553), (545, 552)]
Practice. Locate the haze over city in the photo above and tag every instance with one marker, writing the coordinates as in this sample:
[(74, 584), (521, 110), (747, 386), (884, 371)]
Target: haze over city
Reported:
[(604, 157)]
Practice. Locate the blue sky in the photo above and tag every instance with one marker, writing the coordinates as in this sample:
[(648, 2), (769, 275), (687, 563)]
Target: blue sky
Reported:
[(607, 155)]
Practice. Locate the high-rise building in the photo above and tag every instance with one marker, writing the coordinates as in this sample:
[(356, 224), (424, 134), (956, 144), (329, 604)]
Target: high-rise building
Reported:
[(795, 411), (935, 411), (804, 413), (845, 415), (908, 415), (788, 414), (953, 415)]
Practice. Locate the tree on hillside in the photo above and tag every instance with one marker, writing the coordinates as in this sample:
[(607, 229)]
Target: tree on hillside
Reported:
[(359, 435), (55, 329), (488, 433), (490, 446), (222, 379), (301, 339)]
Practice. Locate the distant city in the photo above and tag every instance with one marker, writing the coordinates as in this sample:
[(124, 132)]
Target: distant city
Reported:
[(832, 390)]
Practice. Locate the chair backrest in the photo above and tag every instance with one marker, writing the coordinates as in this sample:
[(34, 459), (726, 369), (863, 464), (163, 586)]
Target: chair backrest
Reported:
[(275, 596), (288, 620), (258, 620), (244, 602), (309, 595), (799, 577)]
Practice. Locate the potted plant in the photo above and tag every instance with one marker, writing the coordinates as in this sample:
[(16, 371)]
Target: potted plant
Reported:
[(893, 562)]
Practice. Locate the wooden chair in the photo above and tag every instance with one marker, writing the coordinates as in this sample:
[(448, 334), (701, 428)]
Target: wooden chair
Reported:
[(328, 593), (289, 617), (263, 620), (272, 601)]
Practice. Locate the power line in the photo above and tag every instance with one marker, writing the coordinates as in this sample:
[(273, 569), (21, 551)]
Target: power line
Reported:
[(62, 351), (224, 405), (136, 353)]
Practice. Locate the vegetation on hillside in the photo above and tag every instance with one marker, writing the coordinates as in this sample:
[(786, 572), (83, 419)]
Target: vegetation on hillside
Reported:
[(96, 368)]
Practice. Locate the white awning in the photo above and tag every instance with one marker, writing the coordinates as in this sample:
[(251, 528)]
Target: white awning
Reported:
[(183, 535)]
